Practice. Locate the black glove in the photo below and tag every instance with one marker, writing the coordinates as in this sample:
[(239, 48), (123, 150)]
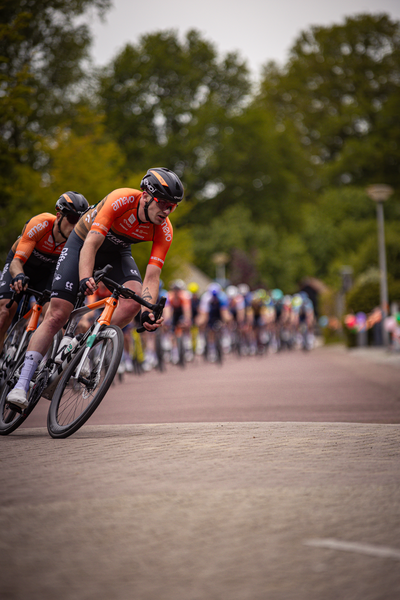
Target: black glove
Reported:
[(82, 285), (144, 317), (21, 277)]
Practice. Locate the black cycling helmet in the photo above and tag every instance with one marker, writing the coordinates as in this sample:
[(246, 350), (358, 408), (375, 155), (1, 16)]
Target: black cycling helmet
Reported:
[(162, 184), (72, 206), (72, 202)]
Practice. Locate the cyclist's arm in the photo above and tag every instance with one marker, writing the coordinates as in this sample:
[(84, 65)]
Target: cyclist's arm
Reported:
[(201, 318), (226, 315), (17, 268), (186, 308), (87, 258), (150, 289)]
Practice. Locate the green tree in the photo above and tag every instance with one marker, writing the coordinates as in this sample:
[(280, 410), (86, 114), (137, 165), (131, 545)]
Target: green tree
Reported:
[(155, 93), (42, 50), (341, 88), (41, 56), (90, 163), (257, 166), (341, 229), (258, 255)]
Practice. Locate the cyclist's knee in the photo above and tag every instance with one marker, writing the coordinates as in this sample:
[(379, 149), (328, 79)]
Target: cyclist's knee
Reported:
[(125, 313), (57, 314), (6, 314)]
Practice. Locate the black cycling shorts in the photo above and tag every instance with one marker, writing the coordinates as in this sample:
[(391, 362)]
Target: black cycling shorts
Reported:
[(66, 276), (40, 278)]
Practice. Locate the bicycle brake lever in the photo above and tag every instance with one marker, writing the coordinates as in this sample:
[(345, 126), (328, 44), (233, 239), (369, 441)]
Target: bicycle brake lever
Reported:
[(159, 308), (98, 275)]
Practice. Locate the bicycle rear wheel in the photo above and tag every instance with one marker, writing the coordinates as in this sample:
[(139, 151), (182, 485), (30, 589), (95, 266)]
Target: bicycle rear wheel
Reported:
[(9, 418), (11, 343), (76, 399)]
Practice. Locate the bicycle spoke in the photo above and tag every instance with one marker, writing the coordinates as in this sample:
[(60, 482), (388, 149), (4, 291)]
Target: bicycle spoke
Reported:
[(75, 399)]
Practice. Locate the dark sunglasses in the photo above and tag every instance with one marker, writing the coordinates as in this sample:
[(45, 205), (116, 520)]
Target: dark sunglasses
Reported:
[(72, 218), (164, 204)]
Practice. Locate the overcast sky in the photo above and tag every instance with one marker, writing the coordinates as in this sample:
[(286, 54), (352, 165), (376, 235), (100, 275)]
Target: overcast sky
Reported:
[(260, 30)]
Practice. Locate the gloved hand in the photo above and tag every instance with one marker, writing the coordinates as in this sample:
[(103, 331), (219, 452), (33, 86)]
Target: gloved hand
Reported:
[(19, 282), (83, 288), (144, 317)]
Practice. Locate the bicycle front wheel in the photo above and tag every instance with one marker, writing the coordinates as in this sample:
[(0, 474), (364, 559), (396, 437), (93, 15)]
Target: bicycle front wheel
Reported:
[(76, 398)]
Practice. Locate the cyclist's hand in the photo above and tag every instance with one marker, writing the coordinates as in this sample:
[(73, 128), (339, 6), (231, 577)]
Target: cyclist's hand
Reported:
[(148, 321), (87, 286), (19, 283)]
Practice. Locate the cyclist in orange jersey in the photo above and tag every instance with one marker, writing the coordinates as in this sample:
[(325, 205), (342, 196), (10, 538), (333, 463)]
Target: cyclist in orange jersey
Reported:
[(104, 235), (36, 251)]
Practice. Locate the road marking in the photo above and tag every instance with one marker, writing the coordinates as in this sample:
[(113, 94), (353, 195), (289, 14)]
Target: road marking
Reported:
[(382, 551)]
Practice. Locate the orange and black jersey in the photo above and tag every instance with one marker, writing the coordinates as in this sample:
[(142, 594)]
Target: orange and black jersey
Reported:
[(36, 244), (116, 217)]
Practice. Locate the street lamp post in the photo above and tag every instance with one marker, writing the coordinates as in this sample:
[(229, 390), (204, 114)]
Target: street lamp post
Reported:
[(220, 259), (380, 193)]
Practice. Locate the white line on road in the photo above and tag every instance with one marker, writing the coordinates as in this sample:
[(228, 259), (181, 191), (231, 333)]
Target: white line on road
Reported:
[(382, 551)]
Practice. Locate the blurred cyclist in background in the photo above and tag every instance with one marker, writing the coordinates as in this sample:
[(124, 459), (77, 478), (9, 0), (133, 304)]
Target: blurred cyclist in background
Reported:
[(213, 314)]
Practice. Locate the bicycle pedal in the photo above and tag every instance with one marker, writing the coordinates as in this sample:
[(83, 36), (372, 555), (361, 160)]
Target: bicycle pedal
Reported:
[(15, 408)]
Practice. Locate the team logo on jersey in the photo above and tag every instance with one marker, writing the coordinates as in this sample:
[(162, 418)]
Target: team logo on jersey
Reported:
[(62, 257), (122, 202), (69, 286), (100, 226), (37, 228), (167, 231), (44, 257), (157, 259), (128, 222), (49, 242)]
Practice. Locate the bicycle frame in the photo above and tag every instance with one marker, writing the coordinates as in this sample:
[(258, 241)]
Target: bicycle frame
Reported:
[(110, 304), (32, 318)]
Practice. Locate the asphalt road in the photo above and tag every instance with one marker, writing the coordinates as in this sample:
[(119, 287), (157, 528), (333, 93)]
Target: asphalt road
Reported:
[(271, 478), (329, 384)]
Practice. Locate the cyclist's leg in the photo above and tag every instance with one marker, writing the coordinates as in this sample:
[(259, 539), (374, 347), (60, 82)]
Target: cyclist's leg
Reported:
[(56, 316), (127, 309), (125, 272), (6, 317), (6, 314), (64, 291)]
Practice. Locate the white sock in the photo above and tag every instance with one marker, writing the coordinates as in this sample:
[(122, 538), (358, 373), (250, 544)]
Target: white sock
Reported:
[(32, 359)]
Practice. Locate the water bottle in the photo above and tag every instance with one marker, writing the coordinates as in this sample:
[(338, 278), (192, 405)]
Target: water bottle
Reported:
[(62, 349), (11, 353)]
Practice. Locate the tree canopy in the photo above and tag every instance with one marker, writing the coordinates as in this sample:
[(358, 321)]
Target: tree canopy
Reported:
[(341, 88), (274, 175)]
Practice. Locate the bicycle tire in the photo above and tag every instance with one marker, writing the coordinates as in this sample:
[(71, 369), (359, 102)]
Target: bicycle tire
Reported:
[(75, 400), (218, 348), (10, 420), (159, 352), (13, 338), (181, 351)]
